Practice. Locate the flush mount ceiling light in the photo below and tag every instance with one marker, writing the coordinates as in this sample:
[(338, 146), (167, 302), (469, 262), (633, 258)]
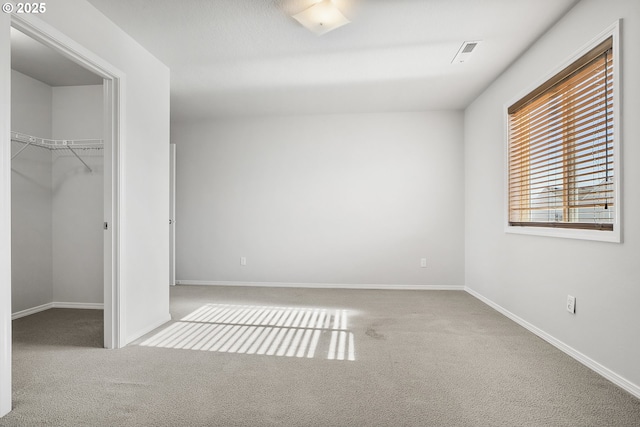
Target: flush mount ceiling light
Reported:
[(322, 17)]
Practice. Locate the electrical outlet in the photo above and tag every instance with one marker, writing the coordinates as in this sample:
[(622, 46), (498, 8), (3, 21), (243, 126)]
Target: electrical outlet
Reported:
[(423, 262), (243, 260), (571, 304)]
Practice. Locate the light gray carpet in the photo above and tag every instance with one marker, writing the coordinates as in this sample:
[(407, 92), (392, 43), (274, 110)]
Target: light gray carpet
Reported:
[(422, 358)]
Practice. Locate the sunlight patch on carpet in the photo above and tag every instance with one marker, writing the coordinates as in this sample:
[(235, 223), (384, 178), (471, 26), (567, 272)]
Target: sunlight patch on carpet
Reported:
[(261, 330)]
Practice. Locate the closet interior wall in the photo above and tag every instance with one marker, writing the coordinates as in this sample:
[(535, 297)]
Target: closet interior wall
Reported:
[(31, 196), (57, 203)]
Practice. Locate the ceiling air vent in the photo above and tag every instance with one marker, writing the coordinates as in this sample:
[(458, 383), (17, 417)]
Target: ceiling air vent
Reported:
[(465, 51)]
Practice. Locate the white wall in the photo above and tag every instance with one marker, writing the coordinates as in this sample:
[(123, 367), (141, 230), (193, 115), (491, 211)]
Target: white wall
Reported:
[(30, 106), (78, 112), (57, 204), (334, 199), (145, 158), (145, 161), (531, 276), (77, 202), (31, 200)]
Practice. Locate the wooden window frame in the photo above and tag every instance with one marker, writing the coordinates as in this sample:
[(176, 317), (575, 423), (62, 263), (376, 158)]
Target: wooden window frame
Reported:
[(607, 232)]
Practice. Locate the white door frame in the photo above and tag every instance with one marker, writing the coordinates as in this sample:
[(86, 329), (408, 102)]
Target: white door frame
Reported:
[(5, 220), (114, 90), (172, 214)]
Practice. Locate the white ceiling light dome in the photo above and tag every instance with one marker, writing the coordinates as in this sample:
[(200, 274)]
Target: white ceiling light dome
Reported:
[(322, 17)]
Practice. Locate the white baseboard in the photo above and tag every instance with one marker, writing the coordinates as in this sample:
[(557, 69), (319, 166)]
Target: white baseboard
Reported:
[(323, 285), (618, 380), (47, 306), (134, 336), (30, 311), (79, 305)]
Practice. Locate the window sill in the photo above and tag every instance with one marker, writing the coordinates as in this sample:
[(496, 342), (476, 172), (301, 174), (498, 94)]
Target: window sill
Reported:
[(568, 233)]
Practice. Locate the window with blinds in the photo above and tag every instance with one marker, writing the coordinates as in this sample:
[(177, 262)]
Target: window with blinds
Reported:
[(561, 148)]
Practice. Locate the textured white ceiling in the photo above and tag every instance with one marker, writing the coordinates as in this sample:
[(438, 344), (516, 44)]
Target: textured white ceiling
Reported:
[(239, 57), (42, 63)]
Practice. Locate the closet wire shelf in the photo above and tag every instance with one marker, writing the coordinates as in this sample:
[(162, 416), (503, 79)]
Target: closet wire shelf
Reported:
[(56, 144)]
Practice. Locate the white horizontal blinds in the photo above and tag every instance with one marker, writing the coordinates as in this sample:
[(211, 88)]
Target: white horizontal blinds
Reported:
[(561, 146)]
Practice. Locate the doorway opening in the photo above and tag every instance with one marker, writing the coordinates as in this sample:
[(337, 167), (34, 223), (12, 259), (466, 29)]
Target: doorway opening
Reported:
[(65, 151)]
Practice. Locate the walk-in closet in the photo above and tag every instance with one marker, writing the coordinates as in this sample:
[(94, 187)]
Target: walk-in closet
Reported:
[(57, 115)]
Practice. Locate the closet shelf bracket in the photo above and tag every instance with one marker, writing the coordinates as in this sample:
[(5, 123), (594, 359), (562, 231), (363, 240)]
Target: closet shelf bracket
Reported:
[(27, 144), (79, 158)]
